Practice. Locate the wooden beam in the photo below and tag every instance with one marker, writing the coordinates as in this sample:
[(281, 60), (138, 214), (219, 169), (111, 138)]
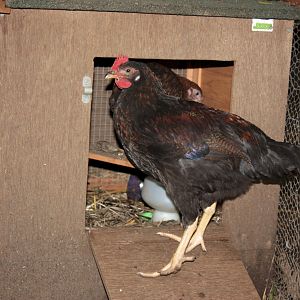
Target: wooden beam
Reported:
[(110, 160), (3, 8), (194, 75)]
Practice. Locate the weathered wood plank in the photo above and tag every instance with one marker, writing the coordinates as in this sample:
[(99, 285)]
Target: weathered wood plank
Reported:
[(121, 252)]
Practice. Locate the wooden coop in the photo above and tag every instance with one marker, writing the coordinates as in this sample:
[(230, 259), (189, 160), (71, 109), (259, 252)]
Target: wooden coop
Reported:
[(48, 52)]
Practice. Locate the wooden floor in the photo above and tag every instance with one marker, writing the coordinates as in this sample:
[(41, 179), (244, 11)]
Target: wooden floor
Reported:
[(121, 252)]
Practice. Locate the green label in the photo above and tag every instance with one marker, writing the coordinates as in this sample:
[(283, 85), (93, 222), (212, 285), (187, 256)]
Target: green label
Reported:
[(263, 26)]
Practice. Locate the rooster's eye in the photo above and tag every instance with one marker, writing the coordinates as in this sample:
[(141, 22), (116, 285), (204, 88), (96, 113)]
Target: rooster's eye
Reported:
[(128, 70)]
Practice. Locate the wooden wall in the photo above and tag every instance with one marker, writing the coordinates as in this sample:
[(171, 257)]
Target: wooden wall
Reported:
[(44, 129)]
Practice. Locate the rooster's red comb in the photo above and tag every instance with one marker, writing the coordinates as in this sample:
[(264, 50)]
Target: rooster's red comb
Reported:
[(120, 60)]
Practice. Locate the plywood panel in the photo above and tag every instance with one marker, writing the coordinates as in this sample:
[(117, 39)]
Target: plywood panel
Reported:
[(44, 125), (44, 148)]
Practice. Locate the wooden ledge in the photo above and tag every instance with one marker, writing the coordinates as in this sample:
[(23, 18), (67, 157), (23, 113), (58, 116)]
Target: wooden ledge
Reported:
[(110, 159), (123, 251)]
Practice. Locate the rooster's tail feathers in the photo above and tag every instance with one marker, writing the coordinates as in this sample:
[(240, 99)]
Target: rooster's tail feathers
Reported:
[(283, 159)]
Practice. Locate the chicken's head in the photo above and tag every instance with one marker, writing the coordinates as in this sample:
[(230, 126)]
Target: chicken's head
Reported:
[(194, 94), (123, 72)]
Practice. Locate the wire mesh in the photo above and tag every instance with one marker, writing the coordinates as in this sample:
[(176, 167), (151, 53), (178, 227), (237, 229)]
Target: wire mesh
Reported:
[(286, 264), (101, 119)]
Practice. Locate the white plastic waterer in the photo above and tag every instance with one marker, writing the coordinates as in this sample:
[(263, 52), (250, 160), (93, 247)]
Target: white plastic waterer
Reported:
[(155, 196)]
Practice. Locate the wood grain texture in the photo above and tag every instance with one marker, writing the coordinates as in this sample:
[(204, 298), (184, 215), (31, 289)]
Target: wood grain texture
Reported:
[(44, 158), (122, 252), (216, 85), (45, 126)]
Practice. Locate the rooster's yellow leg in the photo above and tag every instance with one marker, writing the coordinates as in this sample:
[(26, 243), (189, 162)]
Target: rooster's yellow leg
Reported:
[(197, 238), (178, 258)]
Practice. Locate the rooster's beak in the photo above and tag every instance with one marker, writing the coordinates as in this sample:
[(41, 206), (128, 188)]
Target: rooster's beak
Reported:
[(111, 75)]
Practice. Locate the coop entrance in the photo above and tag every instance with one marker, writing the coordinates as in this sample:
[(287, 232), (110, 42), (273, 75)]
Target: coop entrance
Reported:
[(111, 178), (114, 201)]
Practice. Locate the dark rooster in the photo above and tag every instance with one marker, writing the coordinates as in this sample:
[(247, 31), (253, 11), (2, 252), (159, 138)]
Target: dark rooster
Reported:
[(173, 85), (201, 155)]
